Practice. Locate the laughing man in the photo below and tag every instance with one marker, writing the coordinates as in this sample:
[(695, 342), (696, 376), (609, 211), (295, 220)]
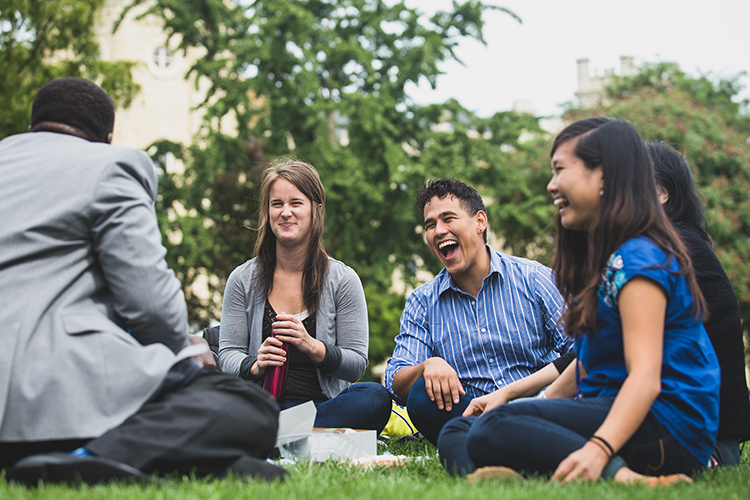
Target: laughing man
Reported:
[(485, 320)]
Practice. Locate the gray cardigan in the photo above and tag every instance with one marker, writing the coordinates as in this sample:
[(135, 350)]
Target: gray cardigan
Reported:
[(341, 320)]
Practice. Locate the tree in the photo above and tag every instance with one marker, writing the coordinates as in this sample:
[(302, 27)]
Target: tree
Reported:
[(324, 81), (41, 40), (703, 119)]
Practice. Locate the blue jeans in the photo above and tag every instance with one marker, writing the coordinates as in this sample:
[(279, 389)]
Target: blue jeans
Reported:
[(365, 405), (425, 415), (536, 435)]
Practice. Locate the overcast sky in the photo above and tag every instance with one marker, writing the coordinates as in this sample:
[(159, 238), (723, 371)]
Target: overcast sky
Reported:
[(536, 59)]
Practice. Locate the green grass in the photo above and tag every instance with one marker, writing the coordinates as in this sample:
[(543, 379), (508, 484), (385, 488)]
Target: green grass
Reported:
[(416, 480)]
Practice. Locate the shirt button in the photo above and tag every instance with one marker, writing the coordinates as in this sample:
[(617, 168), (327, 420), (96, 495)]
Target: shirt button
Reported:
[(492, 360), (484, 330)]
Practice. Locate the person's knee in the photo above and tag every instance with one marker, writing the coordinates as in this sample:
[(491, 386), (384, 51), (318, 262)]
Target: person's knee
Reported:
[(485, 431), (418, 395), (265, 427), (374, 393), (382, 398), (380, 403), (453, 430), (451, 445), (251, 408)]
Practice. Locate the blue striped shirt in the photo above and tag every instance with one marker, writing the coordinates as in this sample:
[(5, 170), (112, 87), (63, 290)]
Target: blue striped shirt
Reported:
[(508, 332)]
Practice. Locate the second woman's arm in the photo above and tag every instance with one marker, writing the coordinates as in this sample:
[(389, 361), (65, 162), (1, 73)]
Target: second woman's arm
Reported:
[(234, 333)]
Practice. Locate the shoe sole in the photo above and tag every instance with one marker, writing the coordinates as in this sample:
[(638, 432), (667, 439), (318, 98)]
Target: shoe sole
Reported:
[(494, 472), (661, 481), (73, 470)]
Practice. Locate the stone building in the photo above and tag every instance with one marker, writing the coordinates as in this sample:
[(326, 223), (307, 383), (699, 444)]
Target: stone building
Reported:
[(165, 107), (591, 87)]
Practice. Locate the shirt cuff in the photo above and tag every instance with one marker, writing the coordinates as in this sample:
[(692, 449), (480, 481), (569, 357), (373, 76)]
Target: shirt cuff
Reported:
[(332, 360), (245, 370), (563, 361)]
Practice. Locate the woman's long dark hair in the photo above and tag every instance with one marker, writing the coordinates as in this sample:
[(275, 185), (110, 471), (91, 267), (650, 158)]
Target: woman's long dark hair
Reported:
[(629, 208), (684, 204), (305, 178)]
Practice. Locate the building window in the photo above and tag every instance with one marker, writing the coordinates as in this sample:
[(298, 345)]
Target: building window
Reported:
[(162, 58)]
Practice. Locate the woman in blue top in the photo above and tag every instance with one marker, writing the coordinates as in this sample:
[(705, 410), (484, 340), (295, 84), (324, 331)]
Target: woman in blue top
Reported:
[(646, 385)]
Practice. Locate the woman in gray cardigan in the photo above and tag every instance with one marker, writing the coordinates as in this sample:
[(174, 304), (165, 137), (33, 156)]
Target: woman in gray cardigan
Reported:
[(295, 319)]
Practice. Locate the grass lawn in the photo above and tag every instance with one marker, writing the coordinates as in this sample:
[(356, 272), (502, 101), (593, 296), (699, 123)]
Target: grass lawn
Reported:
[(416, 480)]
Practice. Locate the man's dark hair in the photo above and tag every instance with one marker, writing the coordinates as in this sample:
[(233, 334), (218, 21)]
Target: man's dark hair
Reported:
[(77, 103), (467, 196)]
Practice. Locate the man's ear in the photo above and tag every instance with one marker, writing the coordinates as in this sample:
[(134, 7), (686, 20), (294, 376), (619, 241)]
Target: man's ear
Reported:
[(481, 218), (109, 138)]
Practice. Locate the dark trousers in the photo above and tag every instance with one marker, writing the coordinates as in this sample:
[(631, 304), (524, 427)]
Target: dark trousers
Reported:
[(365, 405), (535, 435), (425, 415), (202, 427)]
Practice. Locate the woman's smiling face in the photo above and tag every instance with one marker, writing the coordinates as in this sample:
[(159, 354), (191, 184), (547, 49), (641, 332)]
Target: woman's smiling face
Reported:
[(575, 188), (289, 213)]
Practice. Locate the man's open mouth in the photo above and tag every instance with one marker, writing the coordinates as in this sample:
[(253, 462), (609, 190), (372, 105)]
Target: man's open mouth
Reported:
[(448, 247)]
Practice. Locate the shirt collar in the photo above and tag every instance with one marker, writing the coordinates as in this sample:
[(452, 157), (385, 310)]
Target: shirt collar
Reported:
[(445, 281)]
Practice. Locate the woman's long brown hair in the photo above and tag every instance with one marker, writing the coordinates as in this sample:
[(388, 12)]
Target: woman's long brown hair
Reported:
[(629, 208)]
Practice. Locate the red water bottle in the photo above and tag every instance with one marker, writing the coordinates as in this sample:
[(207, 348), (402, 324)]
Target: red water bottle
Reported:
[(275, 381)]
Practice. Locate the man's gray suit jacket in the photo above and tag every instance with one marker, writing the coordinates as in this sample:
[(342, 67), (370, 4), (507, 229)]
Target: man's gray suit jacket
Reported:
[(90, 315)]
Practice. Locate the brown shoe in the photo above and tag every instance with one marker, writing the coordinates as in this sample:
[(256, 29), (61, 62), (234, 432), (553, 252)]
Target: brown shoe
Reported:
[(494, 472), (658, 482)]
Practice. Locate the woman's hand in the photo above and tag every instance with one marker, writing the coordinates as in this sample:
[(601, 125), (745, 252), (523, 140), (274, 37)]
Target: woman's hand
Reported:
[(483, 404), (270, 353), (289, 329), (586, 464)]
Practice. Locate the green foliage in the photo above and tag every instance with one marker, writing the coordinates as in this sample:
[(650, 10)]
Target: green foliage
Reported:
[(703, 119), (323, 81), (206, 214), (721, 95), (41, 40), (384, 314)]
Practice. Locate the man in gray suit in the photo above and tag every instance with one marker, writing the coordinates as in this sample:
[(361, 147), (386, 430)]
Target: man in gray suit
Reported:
[(97, 379)]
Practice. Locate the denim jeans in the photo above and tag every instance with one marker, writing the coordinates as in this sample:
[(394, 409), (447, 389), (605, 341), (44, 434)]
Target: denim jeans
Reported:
[(536, 435), (727, 451), (365, 405), (425, 415)]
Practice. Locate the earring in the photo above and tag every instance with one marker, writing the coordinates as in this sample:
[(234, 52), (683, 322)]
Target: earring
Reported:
[(601, 192)]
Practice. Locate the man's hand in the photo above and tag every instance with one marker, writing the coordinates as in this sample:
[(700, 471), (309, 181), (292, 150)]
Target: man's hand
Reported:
[(207, 358), (441, 383)]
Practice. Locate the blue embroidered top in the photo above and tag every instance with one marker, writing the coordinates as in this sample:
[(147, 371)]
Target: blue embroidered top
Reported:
[(507, 333), (689, 401)]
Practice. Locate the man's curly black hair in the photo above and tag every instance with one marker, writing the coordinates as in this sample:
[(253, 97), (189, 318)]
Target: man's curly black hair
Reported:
[(78, 103), (467, 196)]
